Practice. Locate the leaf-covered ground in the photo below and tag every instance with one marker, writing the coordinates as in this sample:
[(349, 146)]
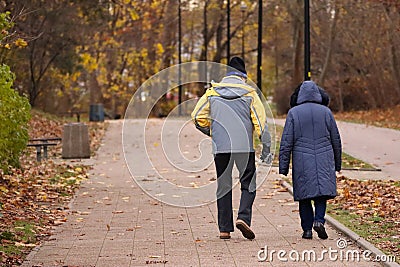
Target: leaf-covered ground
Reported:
[(35, 198), (388, 118), (371, 209)]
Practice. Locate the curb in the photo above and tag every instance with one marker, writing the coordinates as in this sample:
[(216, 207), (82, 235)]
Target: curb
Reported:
[(349, 233)]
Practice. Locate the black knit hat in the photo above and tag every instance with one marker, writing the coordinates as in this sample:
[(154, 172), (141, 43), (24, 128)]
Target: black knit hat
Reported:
[(238, 64)]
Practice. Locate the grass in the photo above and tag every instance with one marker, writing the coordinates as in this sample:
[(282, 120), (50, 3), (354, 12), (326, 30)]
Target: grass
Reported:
[(26, 231), (350, 220), (372, 228), (15, 240), (349, 162)]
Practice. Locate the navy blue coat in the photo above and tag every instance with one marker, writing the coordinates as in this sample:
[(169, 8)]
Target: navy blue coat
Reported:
[(312, 138)]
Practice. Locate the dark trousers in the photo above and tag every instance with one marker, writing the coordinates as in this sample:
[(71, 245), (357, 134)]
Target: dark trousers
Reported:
[(245, 163), (307, 215)]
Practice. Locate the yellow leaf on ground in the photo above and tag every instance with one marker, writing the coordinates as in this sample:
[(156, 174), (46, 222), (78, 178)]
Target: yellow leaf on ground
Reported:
[(3, 189)]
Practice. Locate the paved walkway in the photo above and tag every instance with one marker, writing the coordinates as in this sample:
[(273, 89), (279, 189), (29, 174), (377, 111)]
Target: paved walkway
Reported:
[(377, 146), (112, 222)]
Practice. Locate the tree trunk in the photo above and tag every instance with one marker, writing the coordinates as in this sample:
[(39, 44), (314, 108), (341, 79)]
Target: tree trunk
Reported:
[(218, 39), (297, 56), (332, 35), (95, 90), (393, 51), (169, 38), (298, 45)]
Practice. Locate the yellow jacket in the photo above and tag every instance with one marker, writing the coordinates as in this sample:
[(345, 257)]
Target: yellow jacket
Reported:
[(229, 112)]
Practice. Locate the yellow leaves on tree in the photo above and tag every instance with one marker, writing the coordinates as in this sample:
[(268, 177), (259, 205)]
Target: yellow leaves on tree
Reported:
[(134, 15), (144, 53), (159, 49), (88, 62), (120, 23), (114, 88), (20, 42)]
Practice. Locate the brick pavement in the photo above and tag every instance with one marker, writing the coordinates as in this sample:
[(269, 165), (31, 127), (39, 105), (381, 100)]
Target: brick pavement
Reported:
[(112, 222)]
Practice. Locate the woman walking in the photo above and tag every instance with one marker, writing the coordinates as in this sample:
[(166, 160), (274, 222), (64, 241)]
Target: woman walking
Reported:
[(312, 138)]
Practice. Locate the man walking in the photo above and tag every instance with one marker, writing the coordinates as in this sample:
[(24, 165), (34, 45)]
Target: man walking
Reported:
[(229, 112)]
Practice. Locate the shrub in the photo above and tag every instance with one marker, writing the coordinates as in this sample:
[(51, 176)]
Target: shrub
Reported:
[(14, 118)]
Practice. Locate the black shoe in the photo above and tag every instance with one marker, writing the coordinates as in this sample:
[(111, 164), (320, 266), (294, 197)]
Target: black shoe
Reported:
[(307, 234), (320, 229), (245, 229)]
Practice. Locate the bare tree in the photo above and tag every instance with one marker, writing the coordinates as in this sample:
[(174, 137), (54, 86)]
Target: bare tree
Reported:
[(332, 35)]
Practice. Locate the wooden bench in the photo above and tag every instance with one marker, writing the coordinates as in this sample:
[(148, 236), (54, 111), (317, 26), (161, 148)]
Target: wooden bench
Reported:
[(76, 113), (40, 143)]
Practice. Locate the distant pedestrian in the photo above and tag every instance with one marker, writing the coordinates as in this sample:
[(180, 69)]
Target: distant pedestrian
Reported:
[(312, 138), (229, 112)]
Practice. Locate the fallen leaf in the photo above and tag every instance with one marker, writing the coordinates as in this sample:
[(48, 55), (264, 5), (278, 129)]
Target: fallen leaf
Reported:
[(3, 189), (19, 244), (118, 211)]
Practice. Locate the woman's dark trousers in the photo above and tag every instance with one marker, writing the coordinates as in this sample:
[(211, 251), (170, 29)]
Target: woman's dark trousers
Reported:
[(307, 215)]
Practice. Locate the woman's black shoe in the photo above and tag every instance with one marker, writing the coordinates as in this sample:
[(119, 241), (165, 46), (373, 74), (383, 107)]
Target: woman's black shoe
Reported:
[(320, 229), (307, 234)]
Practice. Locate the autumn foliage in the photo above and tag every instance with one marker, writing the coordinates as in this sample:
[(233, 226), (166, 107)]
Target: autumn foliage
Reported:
[(14, 110), (120, 44), (35, 198)]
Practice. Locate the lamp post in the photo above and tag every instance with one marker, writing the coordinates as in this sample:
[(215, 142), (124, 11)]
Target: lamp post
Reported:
[(205, 29), (243, 8), (307, 71), (259, 45), (179, 58), (205, 44), (228, 30)]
